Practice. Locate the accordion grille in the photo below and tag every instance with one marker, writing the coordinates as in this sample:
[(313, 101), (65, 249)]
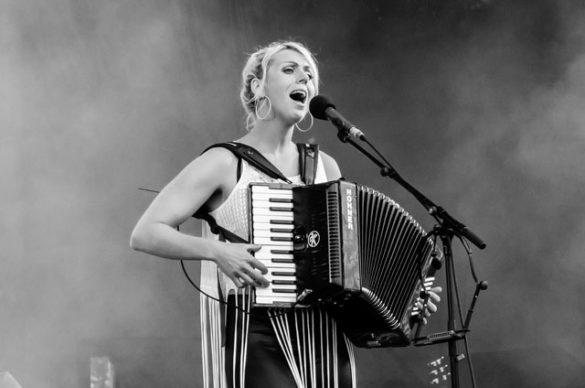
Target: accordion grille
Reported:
[(334, 236)]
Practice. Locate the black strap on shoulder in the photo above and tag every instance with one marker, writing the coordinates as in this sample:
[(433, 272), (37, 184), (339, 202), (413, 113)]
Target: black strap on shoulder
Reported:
[(308, 158), (254, 157)]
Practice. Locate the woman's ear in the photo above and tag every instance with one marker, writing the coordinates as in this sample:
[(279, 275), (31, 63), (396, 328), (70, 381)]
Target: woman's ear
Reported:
[(255, 85)]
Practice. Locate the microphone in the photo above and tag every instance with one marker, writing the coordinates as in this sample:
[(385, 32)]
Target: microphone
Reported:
[(323, 108)]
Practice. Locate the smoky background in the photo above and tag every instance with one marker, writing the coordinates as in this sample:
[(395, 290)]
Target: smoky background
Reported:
[(478, 104)]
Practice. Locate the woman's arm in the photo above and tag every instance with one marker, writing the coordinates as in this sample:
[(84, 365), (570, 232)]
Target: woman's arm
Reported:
[(207, 177)]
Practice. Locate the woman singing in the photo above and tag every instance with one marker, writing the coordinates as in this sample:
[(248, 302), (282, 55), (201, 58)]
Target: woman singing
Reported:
[(246, 346)]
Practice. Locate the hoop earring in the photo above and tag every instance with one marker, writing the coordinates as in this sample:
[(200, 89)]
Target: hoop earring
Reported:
[(310, 125), (269, 107)]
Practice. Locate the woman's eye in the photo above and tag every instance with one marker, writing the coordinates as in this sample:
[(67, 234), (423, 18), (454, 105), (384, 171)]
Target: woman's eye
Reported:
[(288, 70)]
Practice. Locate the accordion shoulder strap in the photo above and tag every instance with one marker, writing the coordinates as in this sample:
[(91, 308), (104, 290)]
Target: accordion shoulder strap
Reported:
[(308, 156), (254, 157)]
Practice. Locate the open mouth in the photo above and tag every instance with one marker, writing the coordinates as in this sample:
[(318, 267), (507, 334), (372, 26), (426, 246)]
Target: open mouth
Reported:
[(299, 96)]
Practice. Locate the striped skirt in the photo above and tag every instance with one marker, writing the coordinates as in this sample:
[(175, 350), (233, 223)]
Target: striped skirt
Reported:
[(246, 347)]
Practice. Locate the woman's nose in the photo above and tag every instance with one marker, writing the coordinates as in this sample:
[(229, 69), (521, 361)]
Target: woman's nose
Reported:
[(303, 78)]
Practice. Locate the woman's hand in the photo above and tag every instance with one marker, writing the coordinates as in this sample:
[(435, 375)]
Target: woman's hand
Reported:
[(432, 301), (237, 262)]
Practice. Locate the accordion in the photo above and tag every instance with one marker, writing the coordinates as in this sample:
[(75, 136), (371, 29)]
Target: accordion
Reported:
[(346, 247)]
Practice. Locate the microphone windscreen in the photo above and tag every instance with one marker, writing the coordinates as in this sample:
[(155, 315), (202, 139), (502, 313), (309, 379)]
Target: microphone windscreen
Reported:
[(318, 105)]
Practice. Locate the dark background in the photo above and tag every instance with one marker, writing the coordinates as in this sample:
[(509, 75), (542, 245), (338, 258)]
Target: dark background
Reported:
[(479, 104)]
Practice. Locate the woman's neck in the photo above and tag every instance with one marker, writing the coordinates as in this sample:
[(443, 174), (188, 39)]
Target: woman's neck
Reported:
[(275, 143), (270, 137)]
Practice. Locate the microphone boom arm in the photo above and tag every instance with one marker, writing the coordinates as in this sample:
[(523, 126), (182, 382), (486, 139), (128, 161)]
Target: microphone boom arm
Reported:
[(437, 212)]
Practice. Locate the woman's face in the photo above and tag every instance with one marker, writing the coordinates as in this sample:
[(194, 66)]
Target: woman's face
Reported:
[(289, 85)]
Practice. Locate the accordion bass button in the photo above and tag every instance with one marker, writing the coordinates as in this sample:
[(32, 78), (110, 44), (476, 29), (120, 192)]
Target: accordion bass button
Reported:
[(299, 239)]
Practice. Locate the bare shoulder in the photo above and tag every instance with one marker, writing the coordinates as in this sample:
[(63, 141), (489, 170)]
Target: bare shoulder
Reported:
[(213, 165), (331, 167), (202, 180), (209, 173)]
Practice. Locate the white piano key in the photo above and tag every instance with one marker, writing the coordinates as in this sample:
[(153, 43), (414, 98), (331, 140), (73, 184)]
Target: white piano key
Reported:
[(273, 219), (272, 198), (275, 294), (261, 220), (282, 248), (269, 226), (268, 241), (278, 215), (277, 260), (275, 251), (267, 189), (278, 286), (280, 289), (273, 231), (270, 276), (264, 204), (265, 254), (258, 203), (269, 233), (278, 292), (274, 245), (284, 284), (271, 264)]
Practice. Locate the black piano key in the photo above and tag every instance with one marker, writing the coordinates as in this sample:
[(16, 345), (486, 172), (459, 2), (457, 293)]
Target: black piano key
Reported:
[(281, 251), (285, 261), (280, 230), (282, 222), (280, 209), (281, 200), (284, 291), (281, 273), (281, 239), (284, 282)]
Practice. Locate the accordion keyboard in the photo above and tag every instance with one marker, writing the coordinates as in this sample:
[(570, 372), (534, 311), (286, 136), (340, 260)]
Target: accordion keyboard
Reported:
[(272, 227)]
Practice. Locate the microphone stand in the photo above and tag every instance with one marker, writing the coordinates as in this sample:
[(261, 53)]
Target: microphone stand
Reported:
[(448, 228)]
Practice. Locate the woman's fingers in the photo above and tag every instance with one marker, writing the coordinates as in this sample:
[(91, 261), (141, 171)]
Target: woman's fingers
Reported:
[(250, 269), (256, 277), (434, 293), (245, 279), (254, 247), (255, 262), (237, 281), (431, 307)]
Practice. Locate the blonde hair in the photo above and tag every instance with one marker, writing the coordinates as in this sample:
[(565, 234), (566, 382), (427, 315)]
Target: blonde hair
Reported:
[(256, 68)]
